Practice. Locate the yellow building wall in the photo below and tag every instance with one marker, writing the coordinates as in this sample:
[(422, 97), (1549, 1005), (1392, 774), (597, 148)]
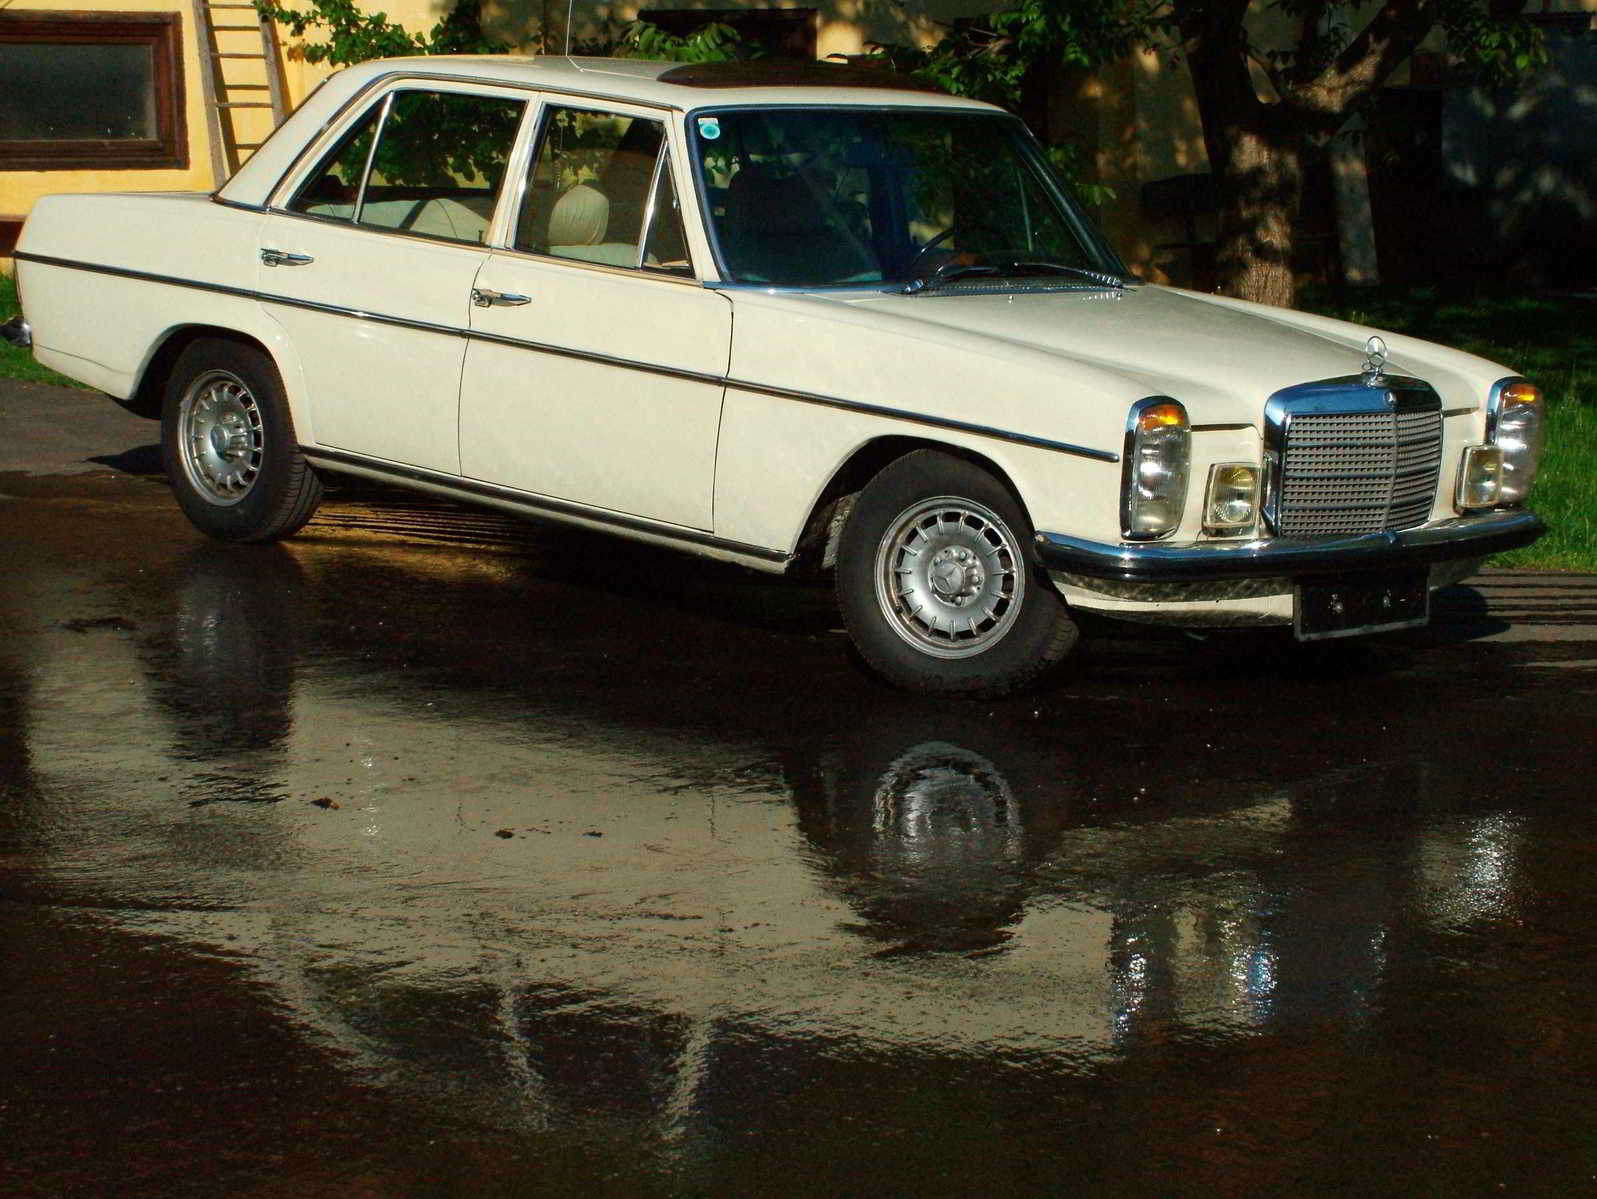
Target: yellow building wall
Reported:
[(19, 189)]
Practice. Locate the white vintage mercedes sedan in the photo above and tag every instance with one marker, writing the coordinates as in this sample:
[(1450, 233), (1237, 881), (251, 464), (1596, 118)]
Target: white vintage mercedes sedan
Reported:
[(796, 317)]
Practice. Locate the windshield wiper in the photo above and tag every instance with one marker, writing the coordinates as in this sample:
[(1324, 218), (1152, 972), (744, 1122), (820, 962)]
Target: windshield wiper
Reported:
[(1014, 268)]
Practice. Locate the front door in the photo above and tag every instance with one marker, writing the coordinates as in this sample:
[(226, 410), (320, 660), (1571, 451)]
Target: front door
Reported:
[(596, 364)]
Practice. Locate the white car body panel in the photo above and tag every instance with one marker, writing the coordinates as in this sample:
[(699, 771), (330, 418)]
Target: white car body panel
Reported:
[(717, 417), (615, 437), (376, 387)]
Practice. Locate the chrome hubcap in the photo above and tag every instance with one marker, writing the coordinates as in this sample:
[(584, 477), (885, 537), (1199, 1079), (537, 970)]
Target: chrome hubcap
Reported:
[(221, 437), (950, 577)]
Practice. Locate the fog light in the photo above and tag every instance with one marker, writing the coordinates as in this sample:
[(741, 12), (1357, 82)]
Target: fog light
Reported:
[(1232, 502), (1480, 477)]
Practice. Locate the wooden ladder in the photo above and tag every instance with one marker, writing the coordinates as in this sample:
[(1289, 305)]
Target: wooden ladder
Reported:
[(228, 75)]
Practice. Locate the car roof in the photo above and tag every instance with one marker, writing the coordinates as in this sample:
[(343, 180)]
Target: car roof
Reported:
[(678, 85), (670, 85)]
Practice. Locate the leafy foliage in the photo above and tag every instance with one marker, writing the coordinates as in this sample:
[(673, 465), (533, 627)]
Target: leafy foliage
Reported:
[(1498, 49), (349, 34), (713, 42), (989, 59), (1324, 60)]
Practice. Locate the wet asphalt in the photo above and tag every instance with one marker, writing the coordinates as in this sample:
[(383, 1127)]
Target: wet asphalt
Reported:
[(435, 854)]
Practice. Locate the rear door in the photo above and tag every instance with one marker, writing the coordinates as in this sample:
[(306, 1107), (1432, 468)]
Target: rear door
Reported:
[(369, 264)]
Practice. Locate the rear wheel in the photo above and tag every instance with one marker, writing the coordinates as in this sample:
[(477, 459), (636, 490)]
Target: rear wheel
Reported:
[(229, 445), (938, 585)]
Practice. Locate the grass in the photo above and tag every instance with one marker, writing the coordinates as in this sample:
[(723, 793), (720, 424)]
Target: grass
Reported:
[(16, 363), (1551, 342)]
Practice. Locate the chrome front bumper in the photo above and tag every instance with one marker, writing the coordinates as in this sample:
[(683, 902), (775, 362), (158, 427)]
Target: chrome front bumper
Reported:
[(1285, 558), (18, 332)]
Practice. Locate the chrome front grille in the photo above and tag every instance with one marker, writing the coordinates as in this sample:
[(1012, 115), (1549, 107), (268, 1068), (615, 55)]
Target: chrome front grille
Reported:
[(1345, 458)]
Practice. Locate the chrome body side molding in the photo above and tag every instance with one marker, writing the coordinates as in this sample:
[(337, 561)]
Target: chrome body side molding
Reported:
[(1207, 561), (898, 414), (540, 507)]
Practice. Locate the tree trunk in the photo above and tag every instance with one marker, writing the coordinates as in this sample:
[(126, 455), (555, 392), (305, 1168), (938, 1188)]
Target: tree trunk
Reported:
[(1254, 152), (1261, 182)]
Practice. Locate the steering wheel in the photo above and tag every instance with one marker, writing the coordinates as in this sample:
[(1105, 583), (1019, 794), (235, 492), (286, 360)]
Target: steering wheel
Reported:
[(913, 266)]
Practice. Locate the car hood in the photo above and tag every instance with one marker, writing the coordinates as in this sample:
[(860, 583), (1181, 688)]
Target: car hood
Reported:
[(1222, 360)]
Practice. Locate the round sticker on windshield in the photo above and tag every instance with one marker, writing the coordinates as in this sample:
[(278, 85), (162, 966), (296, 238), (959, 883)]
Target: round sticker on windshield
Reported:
[(709, 128)]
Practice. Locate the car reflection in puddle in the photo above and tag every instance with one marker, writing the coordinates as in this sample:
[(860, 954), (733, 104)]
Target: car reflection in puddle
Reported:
[(559, 908)]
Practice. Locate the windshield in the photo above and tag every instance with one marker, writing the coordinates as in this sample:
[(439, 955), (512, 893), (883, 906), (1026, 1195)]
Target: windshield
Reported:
[(803, 197)]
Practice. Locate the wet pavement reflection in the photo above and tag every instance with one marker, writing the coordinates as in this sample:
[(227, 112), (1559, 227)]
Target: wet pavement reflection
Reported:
[(434, 854)]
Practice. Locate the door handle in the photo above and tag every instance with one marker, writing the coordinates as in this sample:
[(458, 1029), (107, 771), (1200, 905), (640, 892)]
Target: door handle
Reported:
[(281, 258), (486, 297)]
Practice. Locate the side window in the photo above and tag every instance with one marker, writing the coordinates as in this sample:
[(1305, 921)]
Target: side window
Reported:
[(600, 190), (436, 170), (335, 187)]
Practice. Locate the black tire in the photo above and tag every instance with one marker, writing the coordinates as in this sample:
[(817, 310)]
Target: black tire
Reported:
[(976, 565), (228, 442)]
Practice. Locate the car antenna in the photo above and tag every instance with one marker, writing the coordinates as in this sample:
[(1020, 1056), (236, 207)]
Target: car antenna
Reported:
[(569, 5)]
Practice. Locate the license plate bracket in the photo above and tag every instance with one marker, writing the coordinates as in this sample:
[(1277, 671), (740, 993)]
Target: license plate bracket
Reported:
[(1357, 604)]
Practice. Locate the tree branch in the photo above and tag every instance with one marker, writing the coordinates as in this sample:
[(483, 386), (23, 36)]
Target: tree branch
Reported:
[(1309, 37), (1392, 35), (1271, 71)]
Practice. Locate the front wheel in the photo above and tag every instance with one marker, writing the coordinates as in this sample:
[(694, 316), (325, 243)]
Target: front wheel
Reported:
[(228, 441), (938, 586)]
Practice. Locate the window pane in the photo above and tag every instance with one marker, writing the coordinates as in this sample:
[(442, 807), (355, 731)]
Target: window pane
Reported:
[(667, 246), (589, 188), (332, 190), (65, 91), (838, 196), (439, 163)]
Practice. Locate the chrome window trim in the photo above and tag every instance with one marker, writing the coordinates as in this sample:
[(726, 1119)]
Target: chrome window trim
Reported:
[(745, 385), (603, 268), (371, 156), (473, 82), (507, 241), (654, 192), (381, 231), (353, 221), (1344, 394)]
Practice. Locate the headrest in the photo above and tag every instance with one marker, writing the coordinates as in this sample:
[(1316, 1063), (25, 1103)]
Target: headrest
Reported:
[(580, 217)]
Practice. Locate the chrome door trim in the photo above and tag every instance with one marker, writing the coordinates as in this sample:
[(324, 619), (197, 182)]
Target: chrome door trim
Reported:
[(745, 385)]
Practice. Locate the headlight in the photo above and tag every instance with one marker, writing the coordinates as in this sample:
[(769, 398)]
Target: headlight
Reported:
[(1515, 424), (1231, 503), (1153, 476)]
